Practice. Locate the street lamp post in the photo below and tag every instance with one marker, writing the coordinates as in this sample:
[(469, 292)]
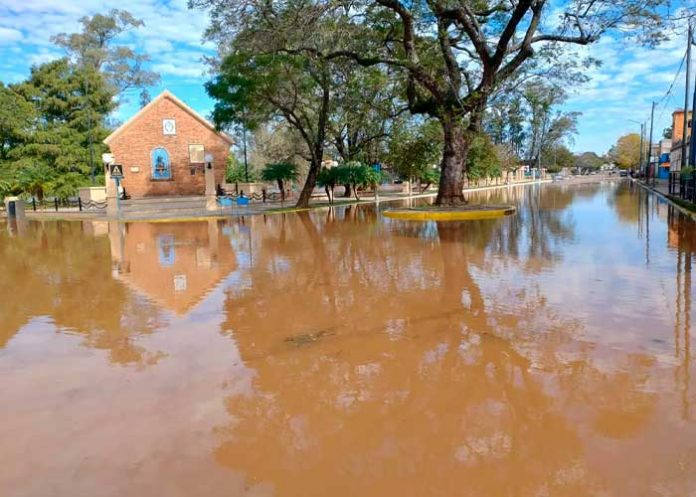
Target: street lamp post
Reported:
[(640, 152)]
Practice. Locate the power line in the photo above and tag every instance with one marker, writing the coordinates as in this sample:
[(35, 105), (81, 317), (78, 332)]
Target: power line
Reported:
[(667, 96)]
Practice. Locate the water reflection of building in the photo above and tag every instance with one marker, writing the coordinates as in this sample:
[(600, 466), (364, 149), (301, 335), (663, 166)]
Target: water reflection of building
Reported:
[(174, 264)]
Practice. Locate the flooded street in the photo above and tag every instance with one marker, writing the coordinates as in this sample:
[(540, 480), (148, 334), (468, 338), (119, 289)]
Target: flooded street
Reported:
[(340, 353)]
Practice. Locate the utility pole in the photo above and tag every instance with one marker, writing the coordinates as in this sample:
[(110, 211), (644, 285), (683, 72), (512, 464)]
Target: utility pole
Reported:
[(640, 157), (246, 163), (686, 97), (692, 148), (652, 117), (92, 171), (244, 139)]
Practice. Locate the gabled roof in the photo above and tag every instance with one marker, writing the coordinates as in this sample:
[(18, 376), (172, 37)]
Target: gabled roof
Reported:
[(186, 108)]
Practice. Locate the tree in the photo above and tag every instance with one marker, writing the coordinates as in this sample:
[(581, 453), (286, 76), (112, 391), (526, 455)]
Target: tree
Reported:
[(365, 106), (372, 179), (95, 48), (557, 158), (36, 179), (626, 152), (588, 160), (455, 55), (356, 174), (507, 158), (451, 56), (414, 148), (546, 129), (482, 158), (16, 118), (428, 177), (268, 85), (280, 172), (328, 179), (234, 171), (67, 116)]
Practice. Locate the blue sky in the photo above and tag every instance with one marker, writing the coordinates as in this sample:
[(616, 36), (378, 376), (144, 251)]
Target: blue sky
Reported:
[(619, 91)]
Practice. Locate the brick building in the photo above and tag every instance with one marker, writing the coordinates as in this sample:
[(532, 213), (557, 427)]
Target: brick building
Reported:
[(168, 149), (677, 138)]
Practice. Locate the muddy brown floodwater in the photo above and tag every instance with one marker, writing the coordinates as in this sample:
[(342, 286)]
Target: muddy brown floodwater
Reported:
[(340, 353)]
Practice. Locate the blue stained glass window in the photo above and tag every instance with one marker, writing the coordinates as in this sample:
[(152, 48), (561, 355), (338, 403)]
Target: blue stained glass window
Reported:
[(161, 168), (167, 252)]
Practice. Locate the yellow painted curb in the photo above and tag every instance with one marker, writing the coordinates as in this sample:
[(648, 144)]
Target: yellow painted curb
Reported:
[(468, 215)]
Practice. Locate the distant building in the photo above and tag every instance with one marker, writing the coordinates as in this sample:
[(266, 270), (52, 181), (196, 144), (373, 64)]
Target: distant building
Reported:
[(660, 153), (677, 136), (168, 149)]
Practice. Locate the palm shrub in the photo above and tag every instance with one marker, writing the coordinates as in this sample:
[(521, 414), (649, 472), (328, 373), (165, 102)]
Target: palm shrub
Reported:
[(371, 179), (328, 179), (35, 179), (280, 172), (356, 174)]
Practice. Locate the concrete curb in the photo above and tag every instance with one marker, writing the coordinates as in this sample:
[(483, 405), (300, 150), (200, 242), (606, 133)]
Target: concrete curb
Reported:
[(681, 209)]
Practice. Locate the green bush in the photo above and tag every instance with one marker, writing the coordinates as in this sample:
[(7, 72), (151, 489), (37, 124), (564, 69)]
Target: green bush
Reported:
[(235, 172), (280, 172), (356, 174)]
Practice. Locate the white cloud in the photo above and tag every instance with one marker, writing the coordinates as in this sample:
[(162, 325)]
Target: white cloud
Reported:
[(10, 35), (179, 70), (43, 56)]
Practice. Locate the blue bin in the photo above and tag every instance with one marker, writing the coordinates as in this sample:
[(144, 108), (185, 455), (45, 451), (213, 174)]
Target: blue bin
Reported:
[(242, 201)]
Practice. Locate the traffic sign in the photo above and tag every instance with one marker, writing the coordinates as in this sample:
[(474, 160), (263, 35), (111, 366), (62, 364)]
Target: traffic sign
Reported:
[(116, 170)]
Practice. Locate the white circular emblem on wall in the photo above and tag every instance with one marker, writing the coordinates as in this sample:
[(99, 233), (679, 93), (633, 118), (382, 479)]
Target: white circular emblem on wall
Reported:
[(169, 126)]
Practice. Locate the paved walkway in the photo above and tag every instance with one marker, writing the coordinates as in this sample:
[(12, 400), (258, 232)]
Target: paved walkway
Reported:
[(254, 208)]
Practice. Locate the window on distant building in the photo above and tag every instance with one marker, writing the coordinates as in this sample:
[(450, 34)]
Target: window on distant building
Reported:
[(161, 168), (196, 154)]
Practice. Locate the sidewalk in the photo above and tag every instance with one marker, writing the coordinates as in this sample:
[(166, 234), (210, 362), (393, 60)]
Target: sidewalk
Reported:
[(661, 188), (248, 210)]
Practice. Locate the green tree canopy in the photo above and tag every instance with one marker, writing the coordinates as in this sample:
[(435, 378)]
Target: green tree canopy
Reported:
[(626, 152), (414, 148), (483, 158), (452, 56), (280, 172), (68, 116), (16, 118), (588, 160)]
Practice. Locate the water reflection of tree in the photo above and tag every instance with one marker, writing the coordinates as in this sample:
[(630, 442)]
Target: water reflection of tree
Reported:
[(626, 203), (534, 235), (56, 270), (382, 367)]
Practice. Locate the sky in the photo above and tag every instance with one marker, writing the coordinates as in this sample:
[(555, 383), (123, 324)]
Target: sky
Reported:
[(618, 93)]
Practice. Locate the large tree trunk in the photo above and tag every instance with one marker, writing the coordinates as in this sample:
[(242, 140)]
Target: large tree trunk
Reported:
[(281, 187), (310, 183), (453, 165), (315, 144)]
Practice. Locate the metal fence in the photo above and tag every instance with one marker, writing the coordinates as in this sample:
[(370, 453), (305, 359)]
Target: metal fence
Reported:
[(262, 196), (683, 186), (56, 204)]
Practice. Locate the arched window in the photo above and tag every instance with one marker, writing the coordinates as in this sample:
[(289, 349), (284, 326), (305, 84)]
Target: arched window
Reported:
[(161, 169)]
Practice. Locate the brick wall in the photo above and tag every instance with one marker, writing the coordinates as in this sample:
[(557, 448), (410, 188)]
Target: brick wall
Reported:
[(133, 146), (678, 126)]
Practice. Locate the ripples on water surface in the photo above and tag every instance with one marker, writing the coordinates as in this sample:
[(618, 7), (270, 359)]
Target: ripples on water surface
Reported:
[(339, 353)]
